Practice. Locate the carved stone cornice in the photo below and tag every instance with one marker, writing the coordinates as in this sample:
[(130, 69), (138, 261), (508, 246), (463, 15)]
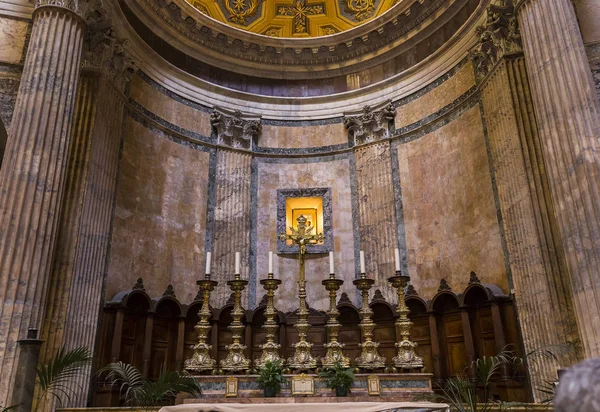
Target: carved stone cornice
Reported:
[(388, 35), (104, 51), (234, 129), (371, 125), (498, 36)]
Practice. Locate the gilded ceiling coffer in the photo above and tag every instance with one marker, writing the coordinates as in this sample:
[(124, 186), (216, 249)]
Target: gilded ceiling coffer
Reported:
[(234, 129), (372, 124)]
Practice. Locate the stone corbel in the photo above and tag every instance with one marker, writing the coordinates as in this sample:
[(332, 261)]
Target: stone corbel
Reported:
[(498, 36), (370, 124), (234, 129)]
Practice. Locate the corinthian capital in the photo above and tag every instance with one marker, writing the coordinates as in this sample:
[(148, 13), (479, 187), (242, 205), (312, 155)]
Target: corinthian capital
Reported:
[(371, 125), (104, 51), (80, 7), (498, 37), (234, 129)]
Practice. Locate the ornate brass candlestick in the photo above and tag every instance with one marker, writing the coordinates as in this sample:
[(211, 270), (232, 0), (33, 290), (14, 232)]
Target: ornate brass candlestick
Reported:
[(201, 360), (302, 358), (369, 357), (236, 360), (406, 357), (334, 348), (270, 349)]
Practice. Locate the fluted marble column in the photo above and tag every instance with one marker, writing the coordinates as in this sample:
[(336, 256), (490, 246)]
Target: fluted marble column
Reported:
[(76, 281), (232, 219), (32, 177), (376, 210), (568, 116)]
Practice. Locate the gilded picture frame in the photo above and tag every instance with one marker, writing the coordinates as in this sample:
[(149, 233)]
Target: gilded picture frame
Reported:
[(231, 387), (303, 384), (373, 385)]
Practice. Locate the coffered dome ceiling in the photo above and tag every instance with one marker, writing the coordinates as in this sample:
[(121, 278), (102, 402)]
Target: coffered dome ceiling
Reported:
[(293, 18)]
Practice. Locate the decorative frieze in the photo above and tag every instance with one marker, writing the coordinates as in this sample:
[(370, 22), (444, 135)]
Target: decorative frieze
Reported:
[(371, 125), (498, 37), (235, 129)]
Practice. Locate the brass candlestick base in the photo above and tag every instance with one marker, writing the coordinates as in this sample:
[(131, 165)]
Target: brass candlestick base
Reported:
[(201, 360), (334, 348), (236, 360), (369, 357), (406, 358), (302, 236), (270, 349)]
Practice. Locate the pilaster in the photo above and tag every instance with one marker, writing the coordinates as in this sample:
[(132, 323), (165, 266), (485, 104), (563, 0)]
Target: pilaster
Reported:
[(369, 131)]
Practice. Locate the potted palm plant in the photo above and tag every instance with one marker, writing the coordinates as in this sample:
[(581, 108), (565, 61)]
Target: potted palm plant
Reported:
[(270, 378), (338, 378)]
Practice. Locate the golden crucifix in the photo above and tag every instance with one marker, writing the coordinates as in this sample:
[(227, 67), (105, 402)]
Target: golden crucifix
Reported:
[(302, 236)]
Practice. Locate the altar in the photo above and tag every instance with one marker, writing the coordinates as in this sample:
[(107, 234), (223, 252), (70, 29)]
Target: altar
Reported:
[(297, 405)]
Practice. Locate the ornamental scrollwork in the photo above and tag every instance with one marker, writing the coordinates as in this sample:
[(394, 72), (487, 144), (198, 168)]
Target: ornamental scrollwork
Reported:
[(241, 10), (359, 9), (371, 125), (498, 37)]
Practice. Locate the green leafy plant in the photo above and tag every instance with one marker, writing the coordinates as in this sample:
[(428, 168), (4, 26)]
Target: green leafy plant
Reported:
[(55, 378), (462, 393), (9, 408), (271, 376), (136, 390), (338, 377)]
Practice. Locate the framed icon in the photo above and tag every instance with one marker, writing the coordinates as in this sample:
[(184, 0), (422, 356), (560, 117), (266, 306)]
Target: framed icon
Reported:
[(373, 385), (231, 387), (303, 384)]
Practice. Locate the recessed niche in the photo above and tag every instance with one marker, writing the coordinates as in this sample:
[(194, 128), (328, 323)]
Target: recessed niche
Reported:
[(315, 205)]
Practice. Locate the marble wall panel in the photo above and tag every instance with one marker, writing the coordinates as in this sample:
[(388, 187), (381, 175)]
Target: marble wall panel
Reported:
[(596, 75), (437, 98), (287, 174), (168, 109), (9, 86), (449, 212), (160, 215), (588, 16), (12, 39), (294, 137)]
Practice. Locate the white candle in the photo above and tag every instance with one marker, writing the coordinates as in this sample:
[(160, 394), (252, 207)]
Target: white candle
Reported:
[(237, 263), (331, 268), (362, 262), (270, 262), (397, 260), (207, 263)]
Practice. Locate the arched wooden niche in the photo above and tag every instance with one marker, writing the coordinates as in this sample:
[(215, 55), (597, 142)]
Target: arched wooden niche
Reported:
[(349, 334), (166, 355), (385, 329)]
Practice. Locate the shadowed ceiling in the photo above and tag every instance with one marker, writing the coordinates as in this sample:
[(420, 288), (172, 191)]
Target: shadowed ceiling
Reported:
[(293, 18)]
